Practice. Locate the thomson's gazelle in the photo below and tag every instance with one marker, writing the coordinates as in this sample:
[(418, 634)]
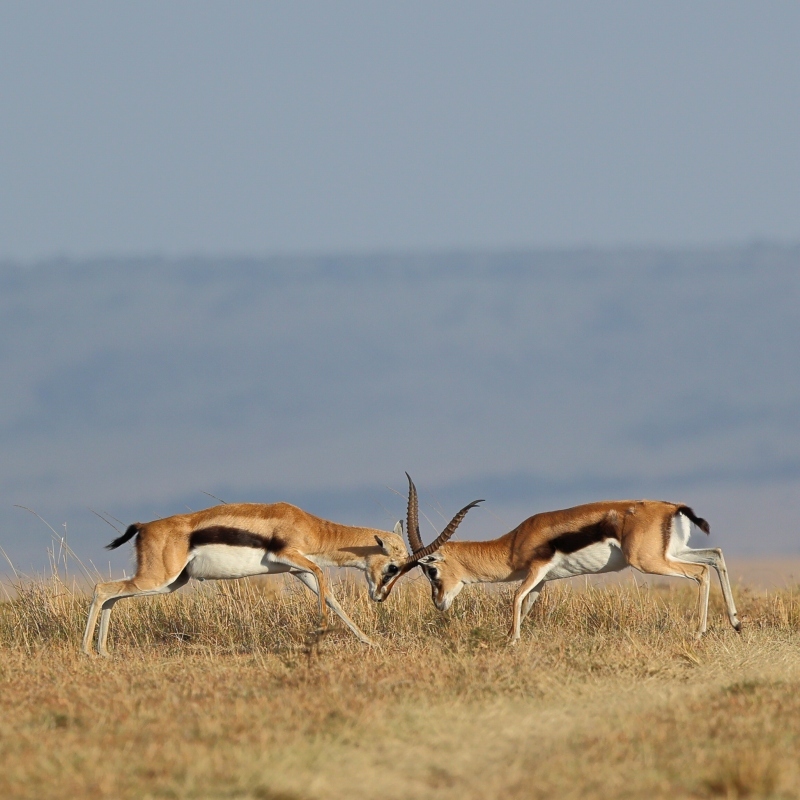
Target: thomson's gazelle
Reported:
[(608, 536), (235, 541)]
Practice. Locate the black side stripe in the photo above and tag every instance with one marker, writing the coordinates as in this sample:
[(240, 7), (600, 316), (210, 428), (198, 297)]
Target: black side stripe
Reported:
[(585, 536), (573, 541), (235, 537)]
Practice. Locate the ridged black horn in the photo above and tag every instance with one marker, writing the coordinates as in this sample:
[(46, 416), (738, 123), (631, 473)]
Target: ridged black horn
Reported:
[(412, 518), (445, 534)]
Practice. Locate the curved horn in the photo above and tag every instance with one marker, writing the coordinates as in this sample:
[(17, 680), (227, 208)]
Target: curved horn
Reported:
[(412, 518), (444, 535)]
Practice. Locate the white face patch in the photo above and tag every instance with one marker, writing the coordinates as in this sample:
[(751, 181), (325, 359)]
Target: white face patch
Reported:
[(221, 561), (447, 600), (603, 556)]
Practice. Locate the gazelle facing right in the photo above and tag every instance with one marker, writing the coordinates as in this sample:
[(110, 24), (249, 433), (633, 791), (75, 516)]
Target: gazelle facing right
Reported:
[(607, 536), (244, 539)]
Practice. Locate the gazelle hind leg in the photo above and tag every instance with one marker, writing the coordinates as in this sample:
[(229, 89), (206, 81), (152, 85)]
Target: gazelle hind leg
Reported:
[(105, 618), (102, 592), (105, 599), (105, 615), (697, 573), (712, 556), (679, 568), (91, 624), (705, 586), (308, 580)]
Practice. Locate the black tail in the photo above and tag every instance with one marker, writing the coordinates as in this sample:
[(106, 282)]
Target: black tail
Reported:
[(699, 521), (129, 534)]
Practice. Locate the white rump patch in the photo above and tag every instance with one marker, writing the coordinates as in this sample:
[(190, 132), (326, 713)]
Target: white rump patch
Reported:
[(679, 536), (221, 561), (605, 556)]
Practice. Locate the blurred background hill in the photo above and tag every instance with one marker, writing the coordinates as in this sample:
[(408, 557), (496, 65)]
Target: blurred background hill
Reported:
[(535, 380)]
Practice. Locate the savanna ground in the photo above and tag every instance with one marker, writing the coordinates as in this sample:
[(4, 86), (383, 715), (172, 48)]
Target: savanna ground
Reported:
[(219, 692)]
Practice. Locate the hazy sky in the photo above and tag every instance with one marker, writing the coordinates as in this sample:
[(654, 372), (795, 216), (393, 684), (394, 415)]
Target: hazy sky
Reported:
[(262, 128)]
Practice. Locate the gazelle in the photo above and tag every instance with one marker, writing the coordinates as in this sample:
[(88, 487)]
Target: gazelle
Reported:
[(238, 540), (607, 536)]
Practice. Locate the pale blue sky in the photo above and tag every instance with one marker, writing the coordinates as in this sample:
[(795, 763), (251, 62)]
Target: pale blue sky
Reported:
[(263, 128)]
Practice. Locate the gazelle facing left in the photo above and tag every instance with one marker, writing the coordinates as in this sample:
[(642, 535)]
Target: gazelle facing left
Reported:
[(608, 536), (236, 541)]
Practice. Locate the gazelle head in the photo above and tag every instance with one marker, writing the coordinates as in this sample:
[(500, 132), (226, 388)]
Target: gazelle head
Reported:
[(427, 557), (384, 564), (445, 576)]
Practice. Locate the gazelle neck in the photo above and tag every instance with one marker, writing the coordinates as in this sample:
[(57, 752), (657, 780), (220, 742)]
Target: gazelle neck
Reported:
[(350, 546), (483, 562)]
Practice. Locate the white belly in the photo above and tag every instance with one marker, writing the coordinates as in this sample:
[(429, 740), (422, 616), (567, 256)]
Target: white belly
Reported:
[(599, 557), (218, 561)]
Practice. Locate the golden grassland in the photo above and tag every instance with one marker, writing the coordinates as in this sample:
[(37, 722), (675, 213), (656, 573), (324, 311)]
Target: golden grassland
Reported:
[(219, 692)]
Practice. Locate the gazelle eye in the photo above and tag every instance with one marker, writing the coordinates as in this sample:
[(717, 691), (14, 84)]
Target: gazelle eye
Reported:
[(392, 569)]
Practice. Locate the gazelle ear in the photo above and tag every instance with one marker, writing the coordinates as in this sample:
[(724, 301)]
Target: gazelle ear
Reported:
[(433, 557), (382, 546), (398, 529)]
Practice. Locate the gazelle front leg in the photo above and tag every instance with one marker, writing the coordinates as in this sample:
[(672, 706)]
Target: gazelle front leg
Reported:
[(528, 602), (295, 559), (531, 583), (309, 581)]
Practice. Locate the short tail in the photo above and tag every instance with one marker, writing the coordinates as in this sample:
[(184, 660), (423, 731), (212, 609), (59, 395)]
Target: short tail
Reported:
[(699, 521), (129, 534)]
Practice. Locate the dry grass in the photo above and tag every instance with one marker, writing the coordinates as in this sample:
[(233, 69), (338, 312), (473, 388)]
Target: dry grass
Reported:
[(214, 693)]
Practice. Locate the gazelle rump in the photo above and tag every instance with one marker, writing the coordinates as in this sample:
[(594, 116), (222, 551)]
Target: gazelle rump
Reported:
[(240, 540), (649, 535)]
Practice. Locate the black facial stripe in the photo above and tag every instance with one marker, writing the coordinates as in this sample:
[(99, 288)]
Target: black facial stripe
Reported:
[(235, 537)]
